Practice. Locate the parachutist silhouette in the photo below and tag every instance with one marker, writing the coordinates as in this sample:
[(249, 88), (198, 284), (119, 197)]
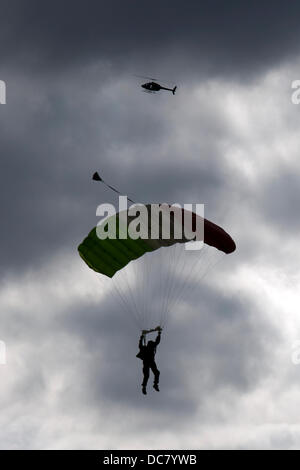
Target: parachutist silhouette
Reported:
[(147, 355)]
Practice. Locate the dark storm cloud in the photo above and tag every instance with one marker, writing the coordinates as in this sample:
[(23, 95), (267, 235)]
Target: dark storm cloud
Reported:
[(232, 37), (69, 113), (55, 135)]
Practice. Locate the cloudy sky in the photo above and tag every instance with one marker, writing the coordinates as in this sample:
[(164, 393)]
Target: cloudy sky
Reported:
[(228, 139)]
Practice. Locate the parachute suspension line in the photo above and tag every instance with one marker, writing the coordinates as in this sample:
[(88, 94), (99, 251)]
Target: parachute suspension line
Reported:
[(118, 291), (161, 287), (165, 254), (184, 265), (190, 287), (149, 282), (188, 276), (170, 253), (169, 282), (161, 283), (146, 284), (138, 281), (123, 301), (131, 289), (122, 283), (139, 273), (176, 264), (179, 261), (151, 288), (209, 258), (171, 279)]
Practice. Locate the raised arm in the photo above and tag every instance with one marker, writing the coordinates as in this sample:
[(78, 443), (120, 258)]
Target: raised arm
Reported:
[(141, 342), (157, 341)]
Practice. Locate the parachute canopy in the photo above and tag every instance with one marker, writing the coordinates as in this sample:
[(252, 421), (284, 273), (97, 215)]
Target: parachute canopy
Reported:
[(108, 256)]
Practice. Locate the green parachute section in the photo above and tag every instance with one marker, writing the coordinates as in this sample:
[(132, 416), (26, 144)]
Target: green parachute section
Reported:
[(110, 255)]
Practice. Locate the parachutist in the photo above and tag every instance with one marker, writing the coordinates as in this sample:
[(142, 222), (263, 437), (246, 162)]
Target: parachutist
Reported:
[(122, 259), (147, 355)]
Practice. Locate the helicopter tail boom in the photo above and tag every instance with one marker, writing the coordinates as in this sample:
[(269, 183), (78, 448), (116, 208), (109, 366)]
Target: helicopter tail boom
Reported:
[(169, 89)]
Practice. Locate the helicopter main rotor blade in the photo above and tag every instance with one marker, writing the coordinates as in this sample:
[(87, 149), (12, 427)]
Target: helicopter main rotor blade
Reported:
[(147, 78), (166, 83)]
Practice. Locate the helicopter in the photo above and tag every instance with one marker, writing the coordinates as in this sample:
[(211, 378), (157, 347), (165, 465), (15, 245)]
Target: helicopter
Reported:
[(153, 86)]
